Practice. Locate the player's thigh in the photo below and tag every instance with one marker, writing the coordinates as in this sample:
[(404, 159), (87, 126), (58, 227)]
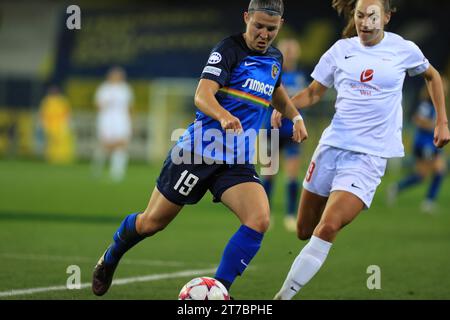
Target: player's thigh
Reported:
[(250, 204), (309, 213), (341, 209), (159, 213)]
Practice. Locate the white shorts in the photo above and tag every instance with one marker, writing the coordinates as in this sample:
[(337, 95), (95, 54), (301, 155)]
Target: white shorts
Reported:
[(111, 129), (333, 169)]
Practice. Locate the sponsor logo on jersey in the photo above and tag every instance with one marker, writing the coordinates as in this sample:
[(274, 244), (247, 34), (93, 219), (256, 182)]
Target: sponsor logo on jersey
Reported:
[(367, 75), (212, 70), (275, 70), (215, 58), (259, 86)]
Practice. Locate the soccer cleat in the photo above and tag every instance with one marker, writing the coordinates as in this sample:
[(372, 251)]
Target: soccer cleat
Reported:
[(428, 206), (102, 276)]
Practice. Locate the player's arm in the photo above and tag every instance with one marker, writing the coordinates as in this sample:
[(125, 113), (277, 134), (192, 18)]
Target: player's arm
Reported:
[(310, 95), (205, 100), (282, 103), (304, 98), (436, 91)]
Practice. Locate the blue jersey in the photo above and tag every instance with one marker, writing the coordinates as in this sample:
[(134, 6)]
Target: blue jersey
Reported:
[(247, 81), (293, 81), (424, 137)]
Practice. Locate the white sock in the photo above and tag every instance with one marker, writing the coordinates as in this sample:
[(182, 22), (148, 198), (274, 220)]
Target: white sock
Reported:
[(305, 266), (119, 161)]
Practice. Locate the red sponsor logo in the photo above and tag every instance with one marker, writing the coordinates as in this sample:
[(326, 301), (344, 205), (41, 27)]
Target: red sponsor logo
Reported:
[(367, 75)]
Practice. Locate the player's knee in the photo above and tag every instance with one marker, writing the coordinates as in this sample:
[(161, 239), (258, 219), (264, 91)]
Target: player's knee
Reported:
[(327, 230), (149, 226), (260, 222)]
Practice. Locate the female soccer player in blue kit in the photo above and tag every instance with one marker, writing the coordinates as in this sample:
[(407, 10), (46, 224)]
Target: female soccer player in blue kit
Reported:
[(240, 80), (428, 158)]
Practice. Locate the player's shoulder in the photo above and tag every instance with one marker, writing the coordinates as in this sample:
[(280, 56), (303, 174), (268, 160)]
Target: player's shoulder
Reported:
[(345, 43), (228, 44), (274, 52), (395, 40), (342, 46)]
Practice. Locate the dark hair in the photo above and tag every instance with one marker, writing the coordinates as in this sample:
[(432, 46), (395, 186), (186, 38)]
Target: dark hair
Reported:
[(347, 9), (271, 7)]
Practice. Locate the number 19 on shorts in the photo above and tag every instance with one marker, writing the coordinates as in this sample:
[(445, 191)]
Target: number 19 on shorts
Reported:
[(186, 183)]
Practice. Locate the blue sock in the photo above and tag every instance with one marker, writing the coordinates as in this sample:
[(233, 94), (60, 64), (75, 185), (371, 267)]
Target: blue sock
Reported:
[(124, 239), (268, 186), (435, 185), (240, 250), (293, 188), (409, 181)]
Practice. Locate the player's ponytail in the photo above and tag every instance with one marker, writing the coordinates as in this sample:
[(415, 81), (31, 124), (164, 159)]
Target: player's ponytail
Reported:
[(346, 8)]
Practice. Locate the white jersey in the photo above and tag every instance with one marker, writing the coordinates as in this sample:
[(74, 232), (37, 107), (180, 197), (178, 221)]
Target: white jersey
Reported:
[(369, 83), (114, 101)]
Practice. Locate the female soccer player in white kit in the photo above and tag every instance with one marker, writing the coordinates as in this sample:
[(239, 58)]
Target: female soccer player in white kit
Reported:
[(368, 71), (113, 99)]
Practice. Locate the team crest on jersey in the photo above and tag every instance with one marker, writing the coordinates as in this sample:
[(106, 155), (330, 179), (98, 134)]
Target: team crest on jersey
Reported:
[(367, 75), (275, 70)]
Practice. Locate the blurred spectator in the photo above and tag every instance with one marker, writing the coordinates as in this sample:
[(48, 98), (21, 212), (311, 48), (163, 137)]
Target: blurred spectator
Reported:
[(428, 158), (55, 119), (113, 100)]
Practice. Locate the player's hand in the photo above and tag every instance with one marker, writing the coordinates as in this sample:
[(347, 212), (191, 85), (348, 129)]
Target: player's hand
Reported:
[(300, 133), (275, 119), (231, 123), (441, 135)]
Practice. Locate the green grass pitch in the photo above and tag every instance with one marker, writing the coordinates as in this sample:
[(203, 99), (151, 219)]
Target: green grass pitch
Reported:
[(52, 217)]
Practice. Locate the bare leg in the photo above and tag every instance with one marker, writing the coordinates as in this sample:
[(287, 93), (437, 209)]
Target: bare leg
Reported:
[(134, 228), (309, 213), (342, 207)]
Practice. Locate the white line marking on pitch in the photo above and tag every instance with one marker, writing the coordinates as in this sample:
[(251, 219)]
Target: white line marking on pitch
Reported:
[(118, 282), (75, 259)]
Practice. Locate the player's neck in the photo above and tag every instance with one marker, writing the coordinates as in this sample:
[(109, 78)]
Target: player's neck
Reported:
[(375, 41)]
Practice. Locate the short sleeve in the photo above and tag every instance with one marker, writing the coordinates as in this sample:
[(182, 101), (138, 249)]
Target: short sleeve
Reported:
[(415, 63), (220, 62), (324, 70)]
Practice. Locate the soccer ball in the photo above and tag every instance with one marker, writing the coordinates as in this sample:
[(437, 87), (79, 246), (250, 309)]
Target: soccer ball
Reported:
[(204, 288)]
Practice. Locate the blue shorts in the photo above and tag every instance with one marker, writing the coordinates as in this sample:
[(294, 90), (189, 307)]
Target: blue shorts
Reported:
[(187, 183), (290, 148), (426, 151)]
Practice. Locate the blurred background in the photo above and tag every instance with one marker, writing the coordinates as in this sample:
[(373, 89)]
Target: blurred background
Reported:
[(53, 208), (162, 46)]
